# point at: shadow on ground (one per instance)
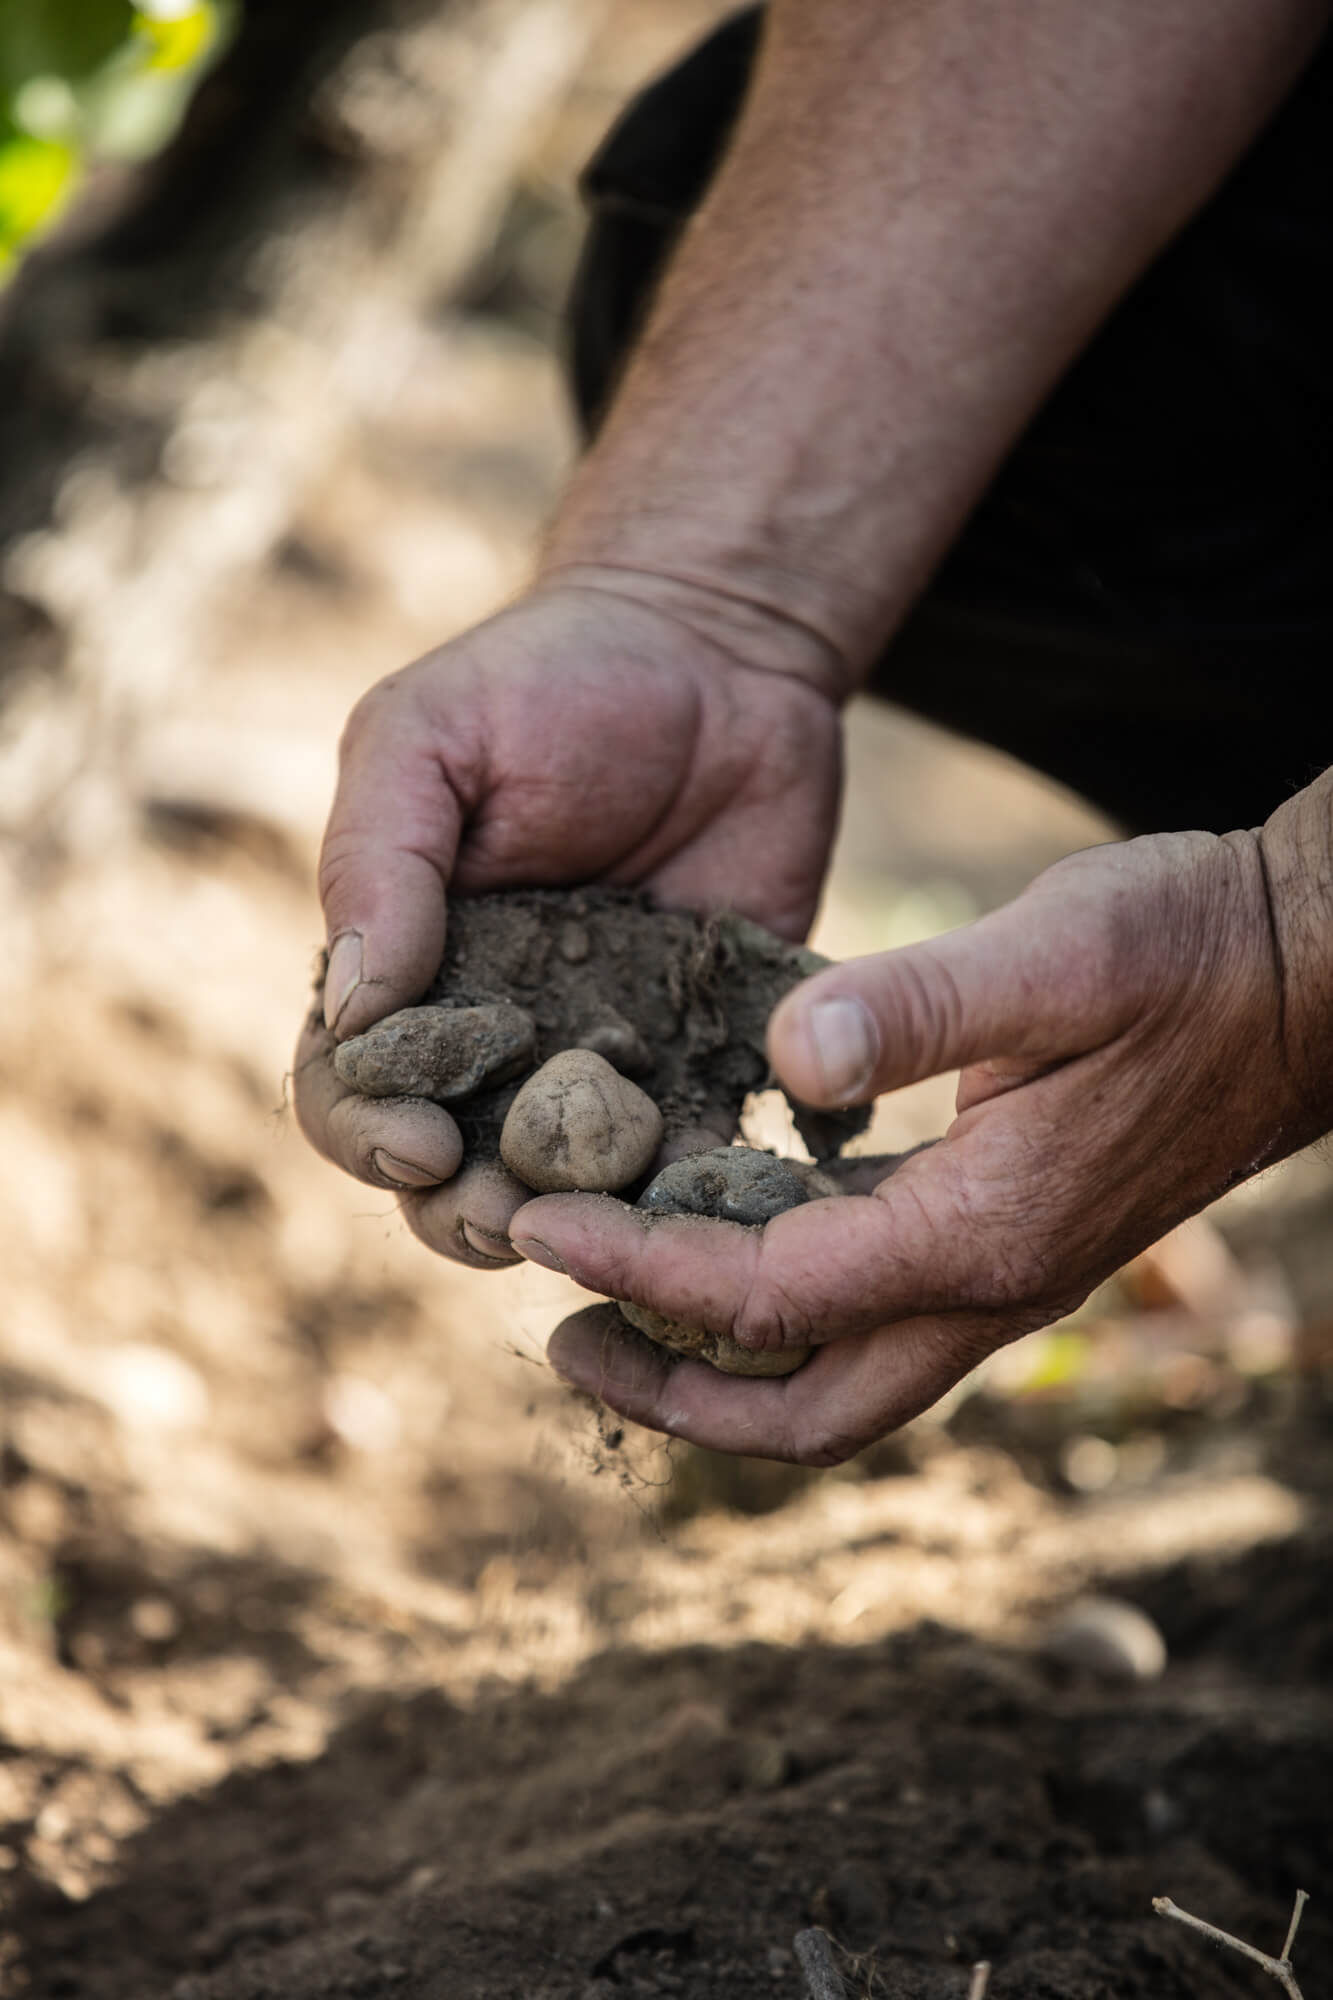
(665, 1822)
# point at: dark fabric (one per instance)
(1142, 603)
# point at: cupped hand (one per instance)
(1121, 1033)
(581, 736)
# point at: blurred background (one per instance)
(281, 407)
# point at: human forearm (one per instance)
(1297, 849)
(925, 212)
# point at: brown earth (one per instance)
(729, 1759)
(676, 1001)
(341, 1650)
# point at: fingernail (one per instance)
(488, 1242)
(342, 977)
(845, 1043)
(538, 1252)
(402, 1172)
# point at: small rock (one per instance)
(443, 1053)
(733, 1183)
(573, 943)
(695, 1343)
(1107, 1637)
(578, 1125)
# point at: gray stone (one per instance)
(443, 1053)
(733, 1183)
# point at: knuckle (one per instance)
(920, 1009)
(340, 856)
(348, 1144)
(624, 1273)
(376, 708)
(1107, 954)
(770, 1316)
(622, 1280)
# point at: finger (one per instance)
(596, 1350)
(388, 1142)
(388, 850)
(1021, 984)
(833, 1267)
(844, 1398)
(468, 1220)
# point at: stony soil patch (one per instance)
(675, 1003)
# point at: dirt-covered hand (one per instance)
(583, 735)
(1133, 1037)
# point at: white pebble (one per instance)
(1106, 1637)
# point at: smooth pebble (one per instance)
(578, 1125)
(1107, 1637)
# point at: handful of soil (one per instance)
(571, 1033)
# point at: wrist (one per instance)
(726, 611)
(1296, 849)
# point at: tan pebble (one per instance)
(578, 1125)
(573, 943)
(1108, 1637)
(443, 1053)
(718, 1349)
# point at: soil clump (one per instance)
(676, 1002)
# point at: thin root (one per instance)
(1276, 1968)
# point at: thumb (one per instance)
(1023, 985)
(388, 850)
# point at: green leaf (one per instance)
(177, 43)
(37, 176)
(1059, 1358)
